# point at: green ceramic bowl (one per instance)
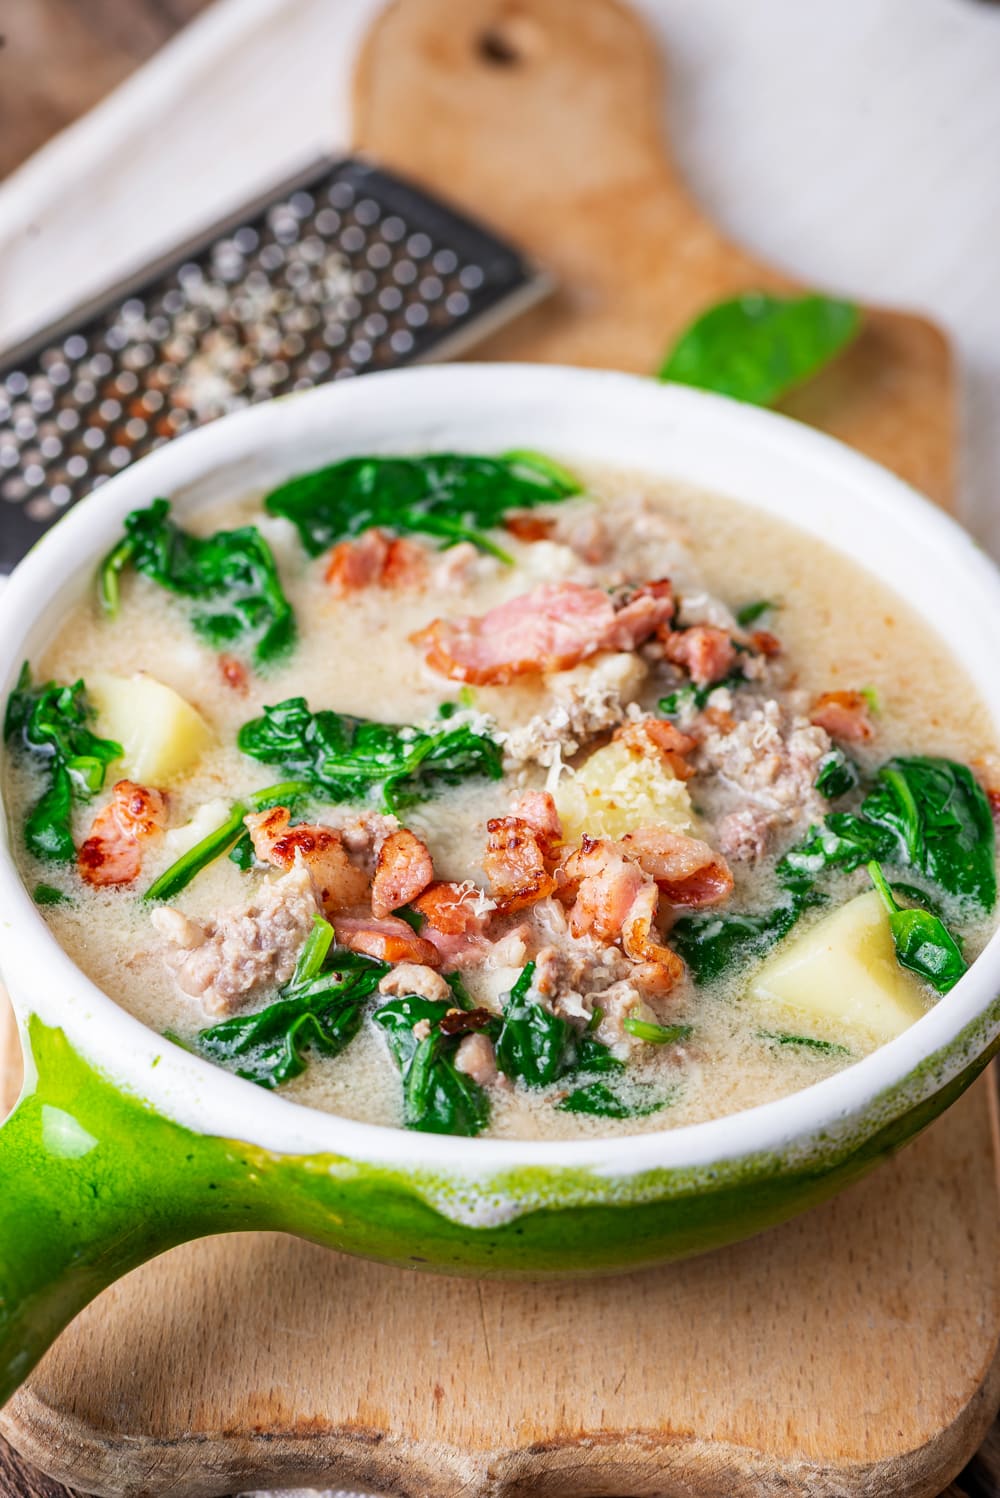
(123, 1145)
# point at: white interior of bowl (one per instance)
(776, 464)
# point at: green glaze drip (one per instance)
(95, 1182)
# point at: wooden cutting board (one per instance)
(853, 1351)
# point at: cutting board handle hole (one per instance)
(511, 40)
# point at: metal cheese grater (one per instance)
(341, 270)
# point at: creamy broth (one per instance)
(839, 629)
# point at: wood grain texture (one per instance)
(853, 1351)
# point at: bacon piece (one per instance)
(687, 871)
(476, 1057)
(376, 559)
(993, 797)
(551, 629)
(538, 809)
(528, 527)
(389, 940)
(451, 908)
(112, 854)
(639, 940)
(403, 870)
(606, 885)
(338, 882)
(765, 643)
(844, 715)
(706, 653)
(515, 862)
(233, 672)
(660, 737)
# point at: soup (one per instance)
(485, 796)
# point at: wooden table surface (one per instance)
(57, 58)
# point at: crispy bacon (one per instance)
(390, 939)
(516, 863)
(606, 884)
(706, 653)
(765, 643)
(112, 854)
(538, 809)
(529, 527)
(451, 908)
(402, 871)
(376, 559)
(844, 715)
(338, 882)
(551, 629)
(663, 738)
(993, 797)
(687, 871)
(640, 941)
(233, 672)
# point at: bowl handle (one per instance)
(92, 1183)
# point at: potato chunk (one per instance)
(840, 981)
(162, 735)
(616, 791)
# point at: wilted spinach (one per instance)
(223, 838)
(925, 814)
(922, 941)
(232, 577)
(637, 1100)
(319, 1009)
(437, 1097)
(757, 347)
(751, 612)
(355, 759)
(48, 723)
(654, 1034)
(537, 1047)
(836, 775)
(453, 496)
(807, 1042)
(692, 698)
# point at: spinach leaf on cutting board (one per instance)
(757, 347)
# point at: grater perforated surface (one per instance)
(341, 270)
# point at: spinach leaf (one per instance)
(454, 496)
(809, 1042)
(537, 1047)
(222, 838)
(940, 815)
(232, 576)
(601, 1101)
(751, 612)
(319, 1009)
(925, 814)
(691, 698)
(758, 347)
(712, 944)
(653, 1034)
(47, 894)
(49, 724)
(922, 941)
(355, 759)
(437, 1097)
(837, 774)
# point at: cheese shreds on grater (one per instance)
(341, 270)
